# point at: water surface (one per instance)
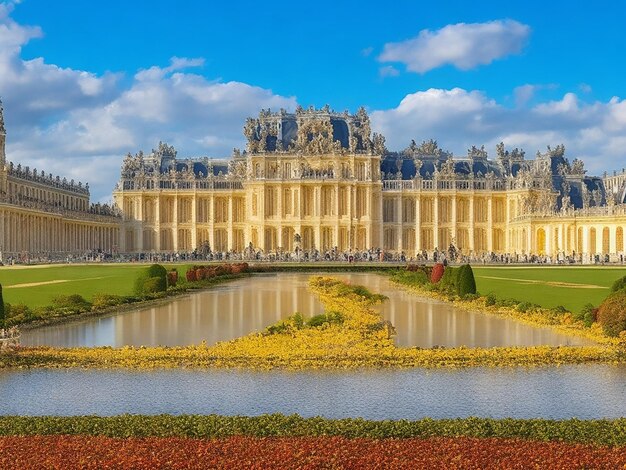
(581, 391)
(251, 304)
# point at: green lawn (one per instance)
(585, 284)
(540, 285)
(78, 279)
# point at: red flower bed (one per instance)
(191, 275)
(437, 273)
(68, 452)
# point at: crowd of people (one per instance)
(373, 255)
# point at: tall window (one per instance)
(343, 201)
(389, 210)
(408, 210)
(327, 201)
(270, 201)
(239, 210)
(221, 210)
(287, 202)
(426, 210)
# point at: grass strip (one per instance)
(598, 432)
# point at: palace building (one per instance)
(320, 180)
(46, 216)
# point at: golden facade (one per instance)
(43, 216)
(320, 180)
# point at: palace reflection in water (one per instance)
(252, 304)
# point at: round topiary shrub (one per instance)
(437, 274)
(466, 283)
(612, 313)
(619, 285)
(449, 281)
(154, 285)
(155, 270)
(190, 275)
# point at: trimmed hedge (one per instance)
(145, 283)
(612, 313)
(619, 285)
(466, 283)
(598, 432)
(154, 285)
(449, 281)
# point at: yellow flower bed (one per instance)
(362, 339)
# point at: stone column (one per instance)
(229, 230)
(211, 218)
(337, 193)
(398, 222)
(613, 239)
(471, 224)
(157, 225)
(194, 221)
(175, 225)
(453, 217)
(490, 224)
(436, 221)
(418, 224)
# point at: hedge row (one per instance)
(599, 432)
(612, 312)
(152, 284)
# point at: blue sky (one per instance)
(83, 83)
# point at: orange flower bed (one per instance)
(68, 452)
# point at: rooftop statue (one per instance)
(476, 153)
(311, 132)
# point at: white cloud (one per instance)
(458, 119)
(569, 104)
(388, 71)
(80, 125)
(524, 93)
(463, 45)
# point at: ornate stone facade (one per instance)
(43, 215)
(317, 179)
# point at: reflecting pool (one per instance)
(582, 391)
(246, 305)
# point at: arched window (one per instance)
(579, 240)
(592, 242)
(541, 241)
(606, 240)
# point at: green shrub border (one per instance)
(597, 432)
